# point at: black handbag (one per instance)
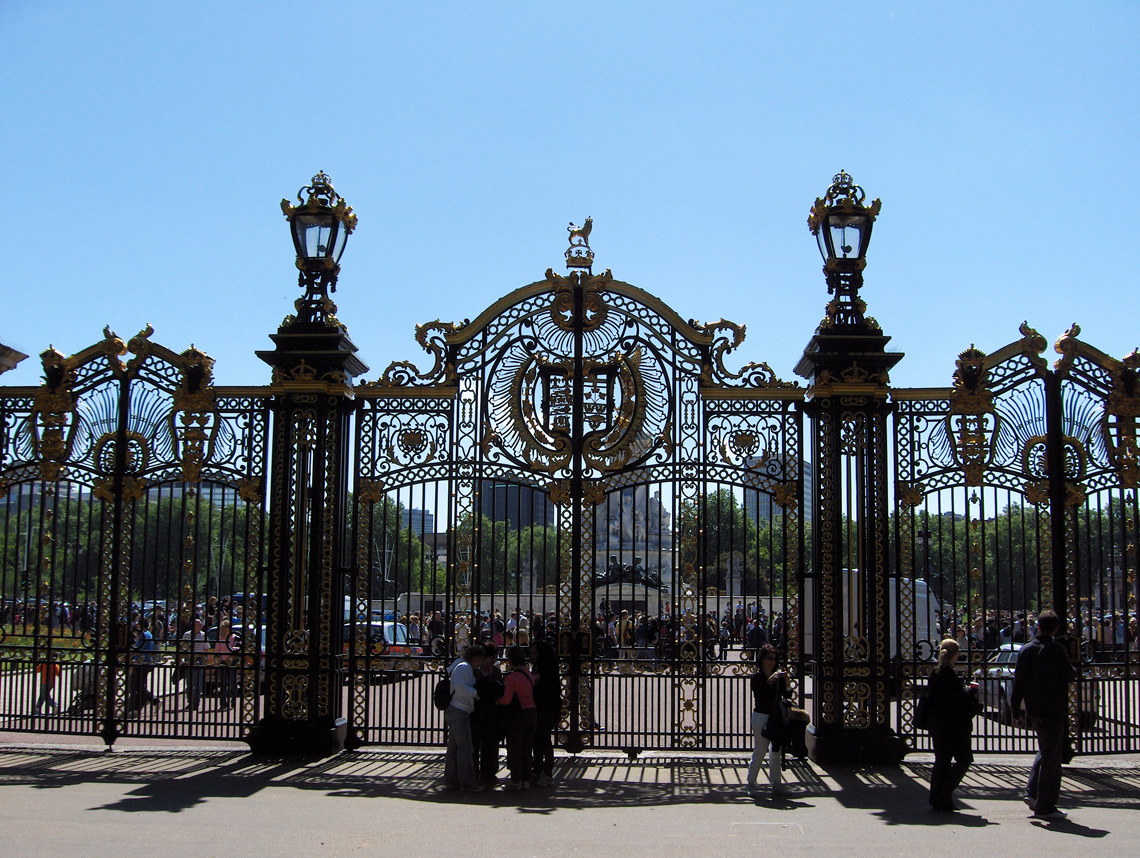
(776, 730)
(922, 710)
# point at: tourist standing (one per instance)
(548, 709)
(459, 765)
(1041, 680)
(952, 711)
(768, 686)
(486, 726)
(142, 663)
(522, 718)
(225, 664)
(194, 647)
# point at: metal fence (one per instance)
(578, 466)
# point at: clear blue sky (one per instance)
(146, 147)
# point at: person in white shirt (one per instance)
(459, 765)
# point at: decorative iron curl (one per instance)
(433, 337)
(725, 337)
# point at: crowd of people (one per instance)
(57, 615)
(1103, 631)
(522, 706)
(487, 707)
(616, 632)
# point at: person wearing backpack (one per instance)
(459, 764)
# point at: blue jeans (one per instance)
(1044, 785)
(459, 765)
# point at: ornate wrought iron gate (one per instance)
(579, 465)
(597, 465)
(132, 493)
(1017, 492)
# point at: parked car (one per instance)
(385, 638)
(995, 687)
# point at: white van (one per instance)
(926, 612)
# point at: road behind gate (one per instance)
(146, 798)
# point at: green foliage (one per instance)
(504, 559)
(175, 542)
(1006, 549)
(400, 562)
(733, 547)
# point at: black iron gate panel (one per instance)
(577, 466)
(1100, 402)
(980, 469)
(973, 528)
(133, 504)
(403, 581)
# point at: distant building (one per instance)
(518, 505)
(211, 493)
(9, 357)
(435, 544)
(760, 506)
(421, 521)
(27, 495)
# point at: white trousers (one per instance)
(762, 745)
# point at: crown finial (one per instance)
(579, 255)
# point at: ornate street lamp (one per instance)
(320, 227)
(314, 363)
(849, 405)
(841, 224)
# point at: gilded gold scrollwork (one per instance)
(593, 492)
(910, 494)
(973, 423)
(252, 490)
(1121, 414)
(371, 491)
(786, 496)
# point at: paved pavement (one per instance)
(205, 801)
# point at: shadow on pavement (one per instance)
(171, 781)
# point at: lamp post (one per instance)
(841, 224)
(313, 363)
(320, 226)
(922, 537)
(848, 402)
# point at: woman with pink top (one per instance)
(521, 720)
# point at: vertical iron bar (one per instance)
(1058, 502)
(577, 644)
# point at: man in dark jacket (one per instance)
(487, 729)
(1041, 679)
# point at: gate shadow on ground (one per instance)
(174, 781)
(168, 781)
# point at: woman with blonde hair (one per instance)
(952, 711)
